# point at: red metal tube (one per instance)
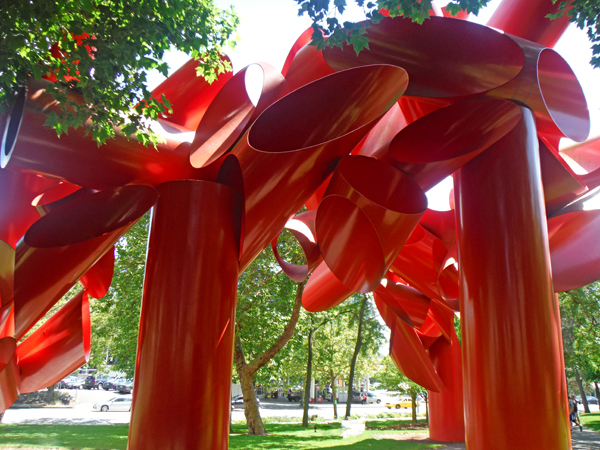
(187, 320)
(283, 165)
(509, 333)
(446, 411)
(98, 277)
(323, 290)
(368, 212)
(7, 273)
(57, 348)
(528, 19)
(9, 372)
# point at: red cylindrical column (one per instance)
(187, 319)
(511, 351)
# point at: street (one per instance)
(81, 412)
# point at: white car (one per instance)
(122, 403)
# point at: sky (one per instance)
(269, 28)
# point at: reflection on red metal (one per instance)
(55, 270)
(340, 110)
(16, 211)
(528, 19)
(575, 249)
(507, 285)
(57, 348)
(90, 216)
(446, 413)
(187, 322)
(323, 290)
(302, 228)
(307, 66)
(368, 212)
(304, 39)
(98, 278)
(231, 111)
(412, 301)
(76, 158)
(7, 273)
(189, 94)
(464, 130)
(9, 372)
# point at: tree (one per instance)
(329, 32)
(361, 314)
(265, 321)
(580, 317)
(392, 379)
(104, 49)
(115, 318)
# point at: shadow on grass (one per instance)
(97, 437)
(396, 423)
(591, 421)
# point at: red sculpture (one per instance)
(357, 139)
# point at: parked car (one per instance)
(67, 383)
(592, 400)
(295, 396)
(90, 382)
(122, 403)
(238, 400)
(77, 384)
(102, 380)
(372, 398)
(403, 402)
(125, 386)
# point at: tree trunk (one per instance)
(1, 417)
(253, 419)
(334, 396)
(50, 395)
(355, 356)
(582, 393)
(246, 371)
(597, 391)
(413, 397)
(426, 398)
(308, 378)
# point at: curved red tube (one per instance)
(9, 372)
(574, 249)
(307, 66)
(98, 277)
(362, 224)
(302, 40)
(323, 290)
(7, 273)
(340, 110)
(91, 215)
(187, 321)
(231, 112)
(529, 20)
(57, 348)
(189, 94)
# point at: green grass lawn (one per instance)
(281, 436)
(591, 421)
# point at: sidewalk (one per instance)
(585, 440)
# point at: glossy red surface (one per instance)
(90, 216)
(340, 110)
(55, 271)
(408, 354)
(528, 20)
(16, 211)
(189, 94)
(323, 290)
(304, 39)
(307, 66)
(472, 58)
(574, 249)
(418, 262)
(9, 373)
(302, 228)
(509, 334)
(390, 124)
(54, 194)
(57, 348)
(548, 86)
(76, 158)
(368, 212)
(187, 321)
(98, 277)
(446, 412)
(441, 224)
(232, 111)
(412, 301)
(7, 273)
(463, 130)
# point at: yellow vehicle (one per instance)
(403, 402)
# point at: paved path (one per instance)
(585, 440)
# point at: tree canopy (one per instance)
(104, 49)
